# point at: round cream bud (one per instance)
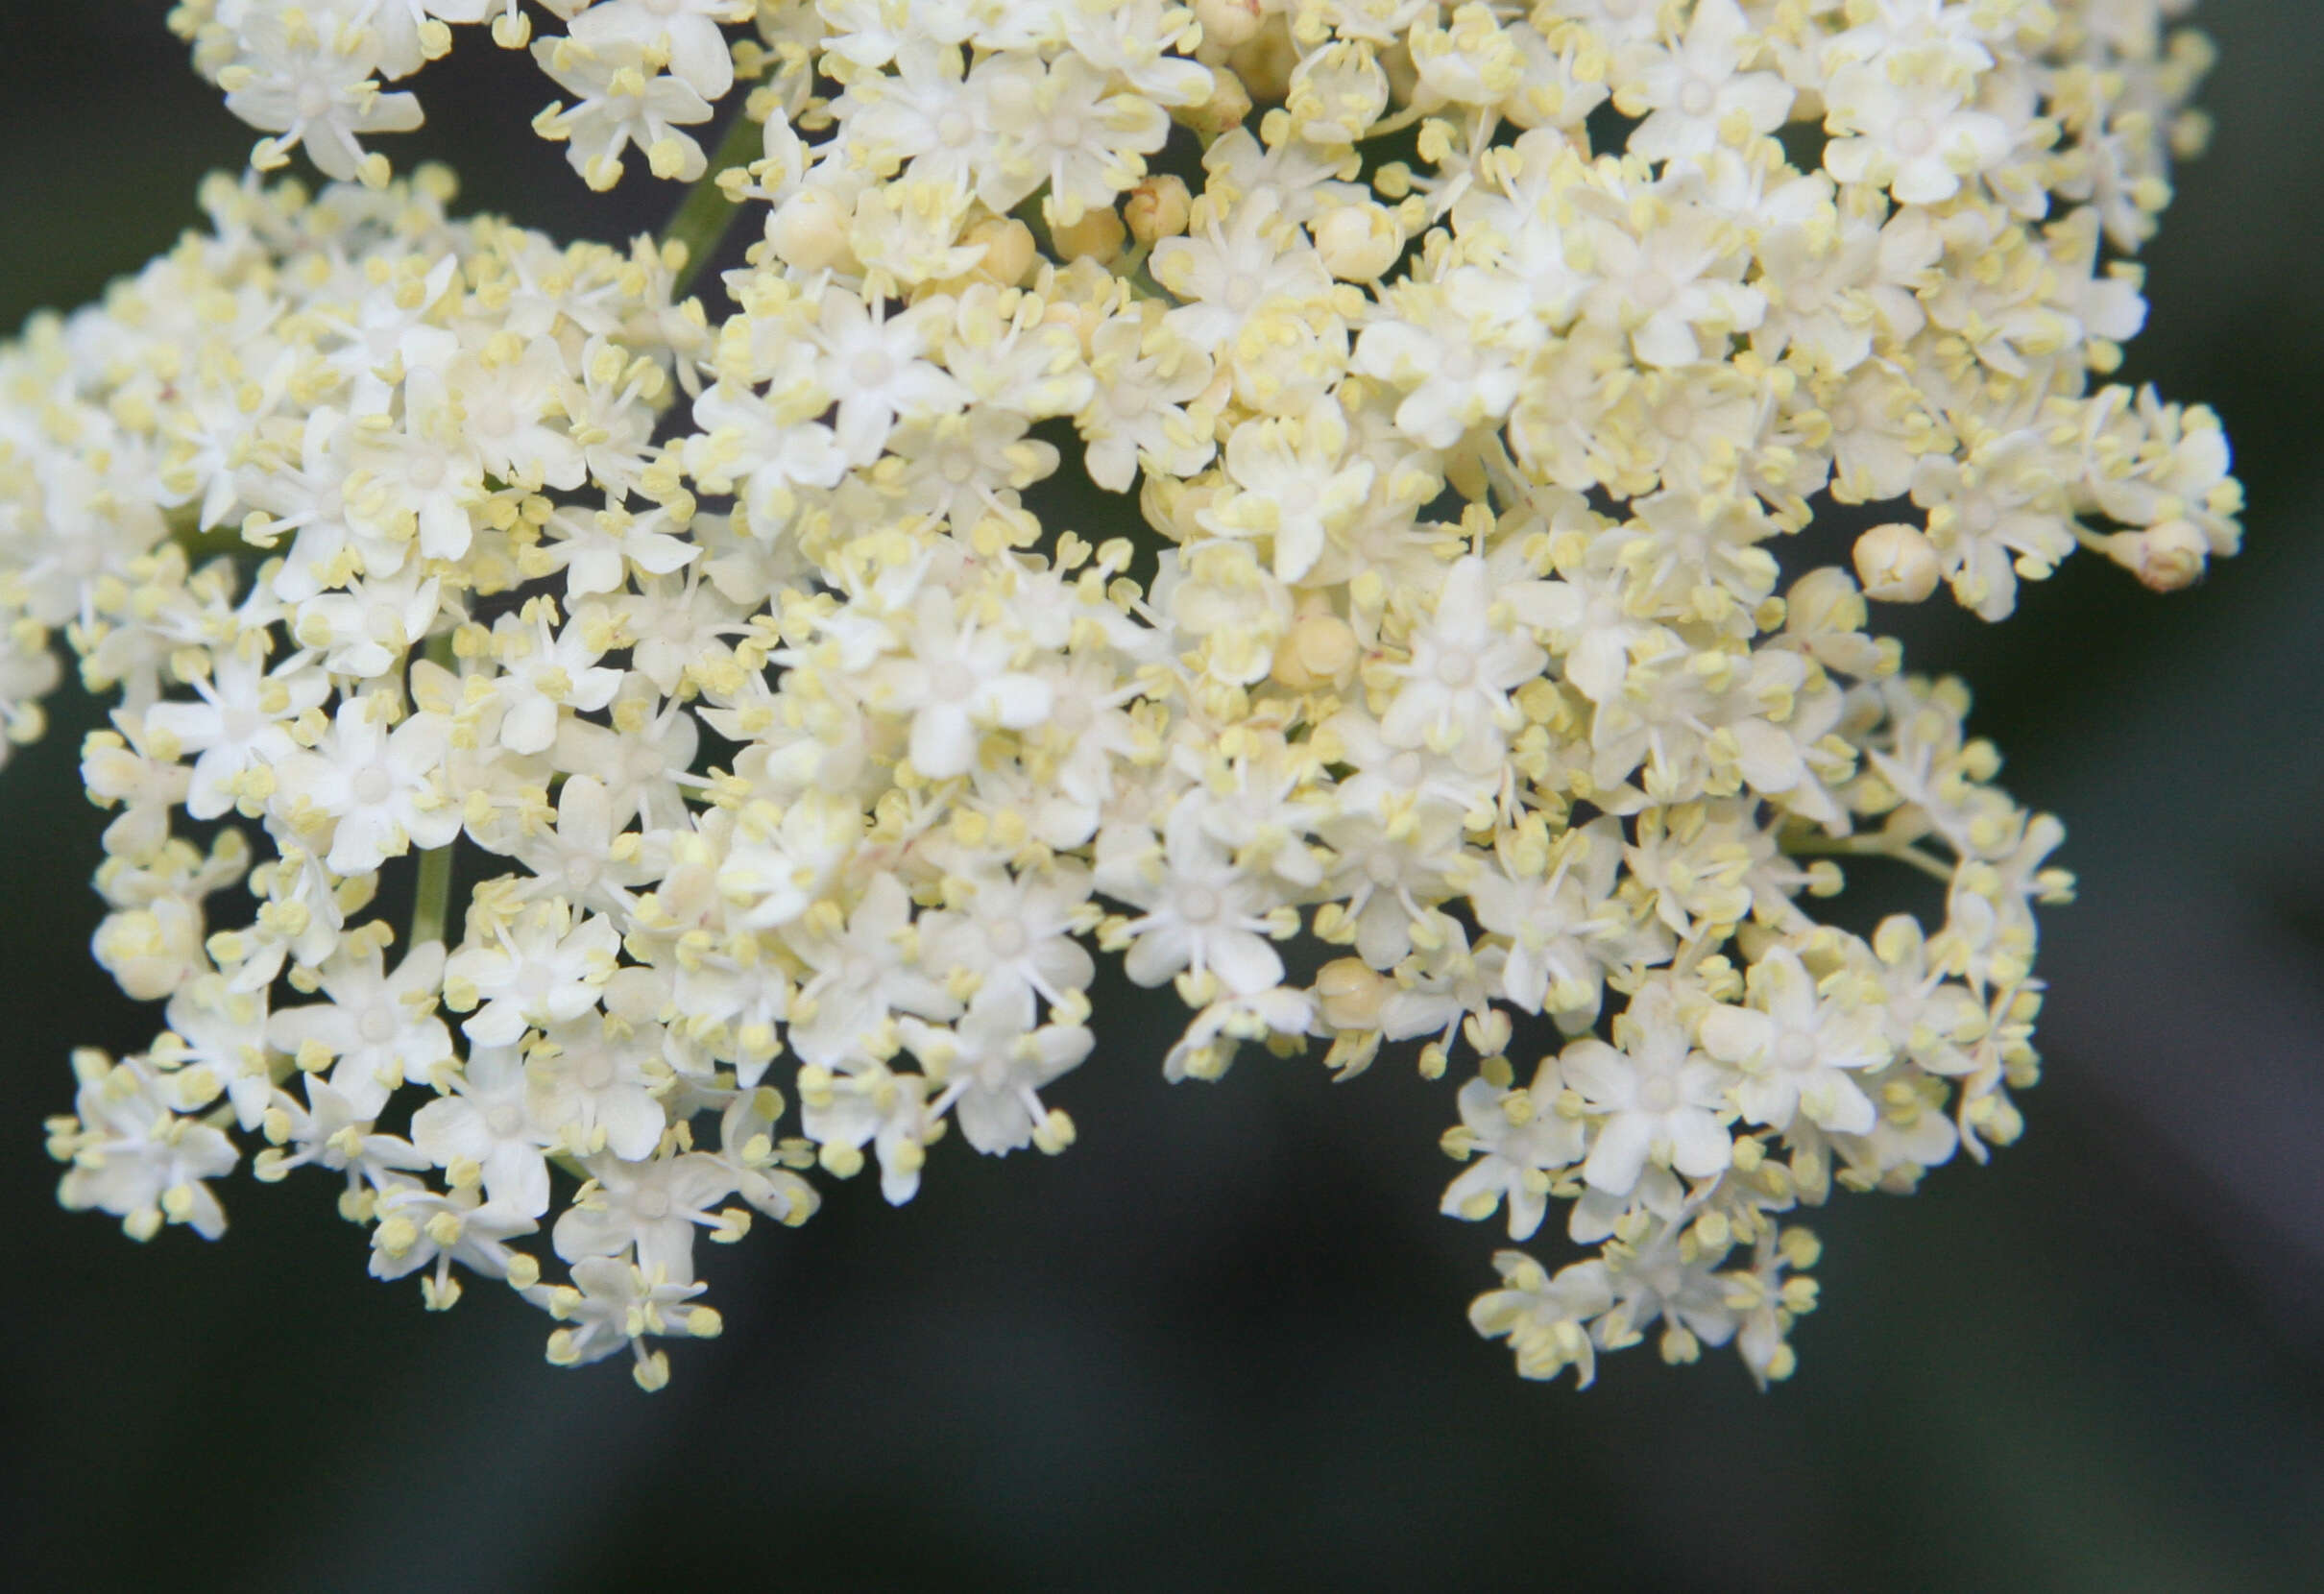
(1098, 235)
(1266, 61)
(2167, 556)
(1318, 650)
(1008, 250)
(1823, 601)
(1157, 209)
(1896, 564)
(1358, 243)
(1350, 994)
(1228, 104)
(810, 230)
(1228, 24)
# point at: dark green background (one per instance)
(1221, 1346)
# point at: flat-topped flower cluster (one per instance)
(1449, 677)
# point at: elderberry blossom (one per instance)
(714, 675)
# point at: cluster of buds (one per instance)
(1439, 678)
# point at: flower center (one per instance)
(1007, 938)
(1072, 715)
(1796, 1049)
(376, 1026)
(1913, 136)
(1657, 1095)
(595, 1072)
(491, 417)
(1456, 667)
(505, 1120)
(373, 786)
(651, 1203)
(1697, 98)
(1197, 905)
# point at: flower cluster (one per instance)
(1457, 680)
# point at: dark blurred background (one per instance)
(1220, 1344)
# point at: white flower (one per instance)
(135, 1157)
(648, 1210)
(314, 87)
(589, 1084)
(1229, 271)
(954, 682)
(540, 971)
(1065, 128)
(1797, 1048)
(486, 1119)
(419, 1228)
(623, 99)
(1660, 1096)
(1454, 347)
(1454, 698)
(685, 31)
(376, 1030)
(379, 789)
(240, 720)
(1903, 122)
(860, 977)
(875, 369)
(1542, 1317)
(614, 1303)
(991, 1066)
(1689, 92)
(546, 672)
(1201, 913)
(1014, 935)
(1295, 485)
(1524, 1138)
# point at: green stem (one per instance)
(1863, 846)
(706, 212)
(432, 896)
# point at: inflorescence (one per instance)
(1456, 683)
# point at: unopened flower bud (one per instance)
(1228, 24)
(1097, 234)
(1318, 650)
(1228, 104)
(1358, 243)
(2165, 557)
(1157, 209)
(810, 230)
(1349, 993)
(1896, 564)
(1266, 61)
(1008, 249)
